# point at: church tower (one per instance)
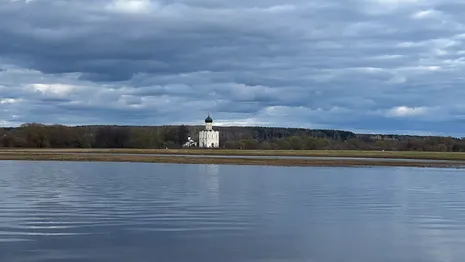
(209, 138)
(208, 123)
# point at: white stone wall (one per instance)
(209, 139)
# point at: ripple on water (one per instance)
(30, 233)
(4, 239)
(167, 216)
(438, 223)
(190, 228)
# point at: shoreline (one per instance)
(419, 155)
(108, 157)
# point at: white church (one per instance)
(208, 137)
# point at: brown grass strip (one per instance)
(223, 161)
(232, 152)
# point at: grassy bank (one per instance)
(232, 152)
(143, 158)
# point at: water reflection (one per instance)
(74, 211)
(211, 173)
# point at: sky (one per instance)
(367, 66)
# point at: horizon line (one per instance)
(238, 126)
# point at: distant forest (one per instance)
(34, 135)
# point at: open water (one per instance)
(76, 211)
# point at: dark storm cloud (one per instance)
(350, 64)
(106, 46)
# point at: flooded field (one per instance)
(79, 211)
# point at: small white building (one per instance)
(190, 143)
(208, 137)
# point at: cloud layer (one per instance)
(362, 65)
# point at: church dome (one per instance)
(208, 119)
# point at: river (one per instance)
(118, 212)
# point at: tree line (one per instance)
(36, 135)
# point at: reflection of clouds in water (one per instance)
(427, 212)
(37, 181)
(393, 213)
(38, 190)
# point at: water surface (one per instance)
(77, 211)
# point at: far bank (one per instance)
(239, 152)
(157, 156)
